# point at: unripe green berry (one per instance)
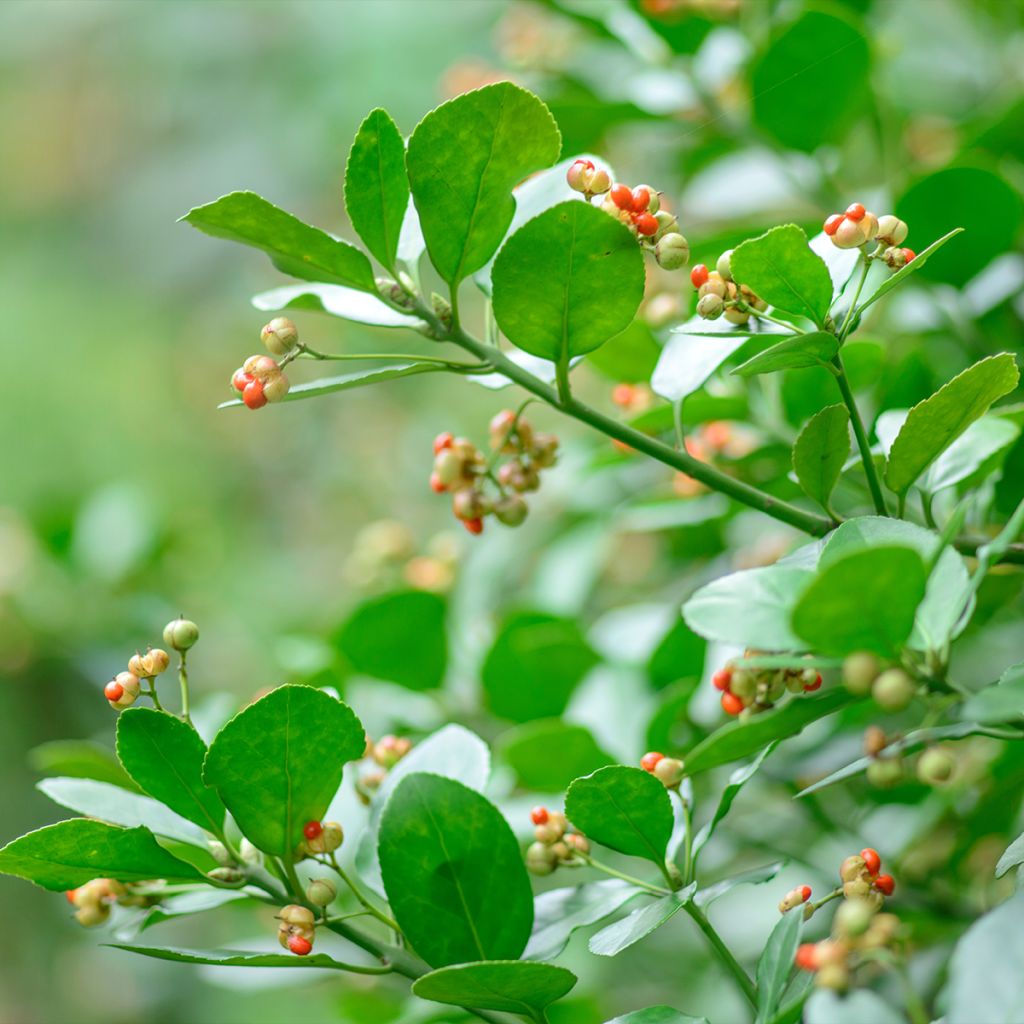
(321, 892)
(511, 510)
(884, 772)
(854, 917)
(672, 251)
(181, 634)
(667, 223)
(893, 690)
(710, 306)
(541, 859)
(935, 766)
(280, 336)
(723, 267)
(743, 683)
(859, 671)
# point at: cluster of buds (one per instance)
(295, 930)
(260, 378)
(385, 753)
(858, 226)
(667, 770)
(748, 691)
(123, 690)
(718, 293)
(92, 901)
(584, 177)
(554, 843)
(857, 927)
(891, 689)
(319, 837)
(461, 468)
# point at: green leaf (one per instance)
(986, 968)
(165, 757)
(376, 186)
(865, 601)
(811, 81)
(1012, 856)
(548, 650)
(916, 264)
(736, 739)
(295, 248)
(335, 300)
(240, 958)
(639, 924)
(692, 355)
(80, 759)
(975, 451)
(567, 281)
(755, 876)
(629, 357)
(750, 608)
(348, 381)
(781, 268)
(828, 1007)
(557, 913)
(400, 637)
(821, 451)
(277, 764)
(657, 1015)
(509, 986)
(934, 424)
(453, 873)
(625, 809)
(527, 750)
(776, 964)
(1001, 702)
(464, 159)
(794, 353)
(73, 852)
(118, 806)
(184, 904)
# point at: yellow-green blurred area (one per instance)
(127, 497)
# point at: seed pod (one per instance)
(511, 510)
(447, 467)
(737, 316)
(126, 686)
(263, 368)
(834, 976)
(181, 634)
(540, 859)
(600, 182)
(710, 306)
(893, 690)
(544, 451)
(280, 336)
(891, 230)
(321, 892)
(672, 251)
(276, 388)
(850, 234)
(135, 665)
(852, 868)
(669, 771)
(579, 174)
(296, 915)
(714, 285)
(331, 836)
(155, 662)
(895, 258)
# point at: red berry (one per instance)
(240, 379)
(816, 685)
(312, 829)
(855, 211)
(474, 525)
(253, 395)
(805, 892)
(70, 895)
(731, 704)
(539, 815)
(641, 200)
(647, 224)
(622, 197)
(623, 394)
(650, 760)
(832, 224)
(807, 957)
(871, 860)
(722, 678)
(113, 690)
(699, 275)
(909, 254)
(443, 441)
(299, 946)
(437, 484)
(885, 884)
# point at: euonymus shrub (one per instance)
(436, 887)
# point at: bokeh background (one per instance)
(125, 496)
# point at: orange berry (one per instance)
(622, 197)
(699, 275)
(908, 255)
(650, 760)
(807, 957)
(442, 441)
(871, 860)
(855, 211)
(722, 678)
(623, 394)
(113, 690)
(731, 704)
(647, 224)
(885, 884)
(539, 816)
(474, 525)
(816, 685)
(831, 225)
(805, 892)
(299, 945)
(641, 200)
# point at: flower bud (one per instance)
(280, 336)
(710, 306)
(891, 230)
(859, 671)
(154, 662)
(541, 859)
(511, 510)
(935, 766)
(321, 892)
(389, 750)
(672, 251)
(669, 771)
(442, 310)
(276, 388)
(893, 690)
(181, 634)
(722, 266)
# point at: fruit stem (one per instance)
(847, 320)
(183, 680)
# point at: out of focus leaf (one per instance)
(511, 986)
(527, 750)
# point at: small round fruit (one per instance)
(855, 211)
(647, 224)
(885, 884)
(731, 704)
(722, 678)
(113, 691)
(541, 859)
(443, 441)
(321, 892)
(474, 526)
(669, 771)
(280, 336)
(849, 235)
(884, 772)
(539, 815)
(154, 663)
(832, 224)
(852, 868)
(710, 306)
(253, 395)
(737, 316)
(814, 684)
(859, 671)
(622, 197)
(181, 634)
(300, 945)
(891, 229)
(239, 379)
(935, 766)
(854, 917)
(723, 265)
(276, 388)
(807, 956)
(909, 255)
(872, 861)
(578, 175)
(650, 760)
(297, 916)
(672, 251)
(893, 690)
(511, 510)
(312, 829)
(699, 275)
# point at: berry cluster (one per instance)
(92, 901)
(386, 753)
(555, 843)
(891, 689)
(385, 553)
(858, 226)
(718, 293)
(260, 379)
(123, 690)
(857, 928)
(296, 929)
(318, 838)
(748, 691)
(936, 765)
(657, 230)
(667, 770)
(460, 467)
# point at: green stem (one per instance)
(403, 356)
(363, 901)
(862, 438)
(562, 382)
(833, 895)
(848, 319)
(654, 890)
(687, 842)
(183, 680)
(151, 693)
(743, 982)
(747, 308)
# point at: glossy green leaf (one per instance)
(625, 809)
(464, 158)
(792, 353)
(80, 759)
(118, 806)
(916, 264)
(865, 601)
(657, 1015)
(376, 186)
(454, 873)
(750, 608)
(755, 876)
(628, 931)
(509, 986)
(736, 740)
(1001, 702)
(242, 958)
(811, 80)
(295, 248)
(73, 852)
(567, 281)
(776, 964)
(974, 454)
(165, 757)
(277, 764)
(821, 451)
(827, 1007)
(934, 424)
(548, 650)
(335, 300)
(399, 637)
(557, 913)
(780, 268)
(527, 751)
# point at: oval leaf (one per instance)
(797, 352)
(639, 924)
(335, 300)
(510, 986)
(557, 913)
(905, 271)
(776, 964)
(243, 958)
(821, 451)
(527, 750)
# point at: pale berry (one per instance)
(855, 211)
(672, 251)
(724, 265)
(872, 861)
(832, 224)
(650, 760)
(276, 388)
(849, 235)
(891, 229)
(722, 678)
(181, 634)
(253, 395)
(731, 704)
(699, 275)
(710, 306)
(280, 336)
(669, 772)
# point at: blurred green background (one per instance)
(125, 496)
